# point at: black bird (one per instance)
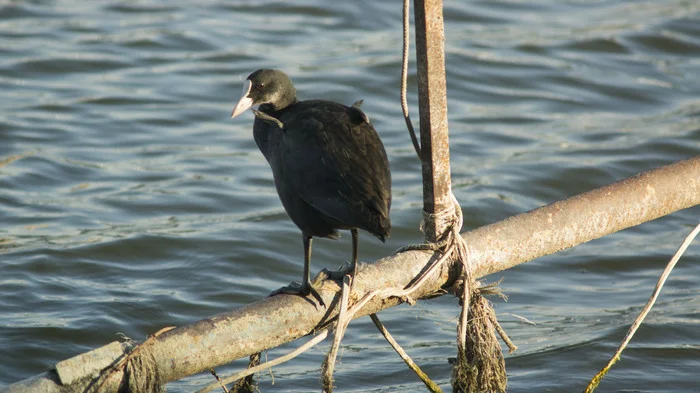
(329, 165)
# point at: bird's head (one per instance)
(272, 87)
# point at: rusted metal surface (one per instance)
(586, 216)
(432, 101)
(280, 319)
(71, 370)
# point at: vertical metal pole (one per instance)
(432, 100)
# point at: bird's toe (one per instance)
(300, 290)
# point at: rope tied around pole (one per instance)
(480, 366)
(138, 368)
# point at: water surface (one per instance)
(129, 201)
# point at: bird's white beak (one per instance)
(245, 102)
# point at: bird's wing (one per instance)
(335, 160)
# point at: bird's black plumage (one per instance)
(328, 162)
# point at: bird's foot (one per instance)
(300, 290)
(337, 275)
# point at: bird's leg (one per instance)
(346, 269)
(355, 241)
(306, 287)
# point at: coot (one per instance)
(329, 165)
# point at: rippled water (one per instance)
(129, 201)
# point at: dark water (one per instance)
(129, 201)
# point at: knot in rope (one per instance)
(450, 220)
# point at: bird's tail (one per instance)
(383, 228)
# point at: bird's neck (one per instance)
(288, 98)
